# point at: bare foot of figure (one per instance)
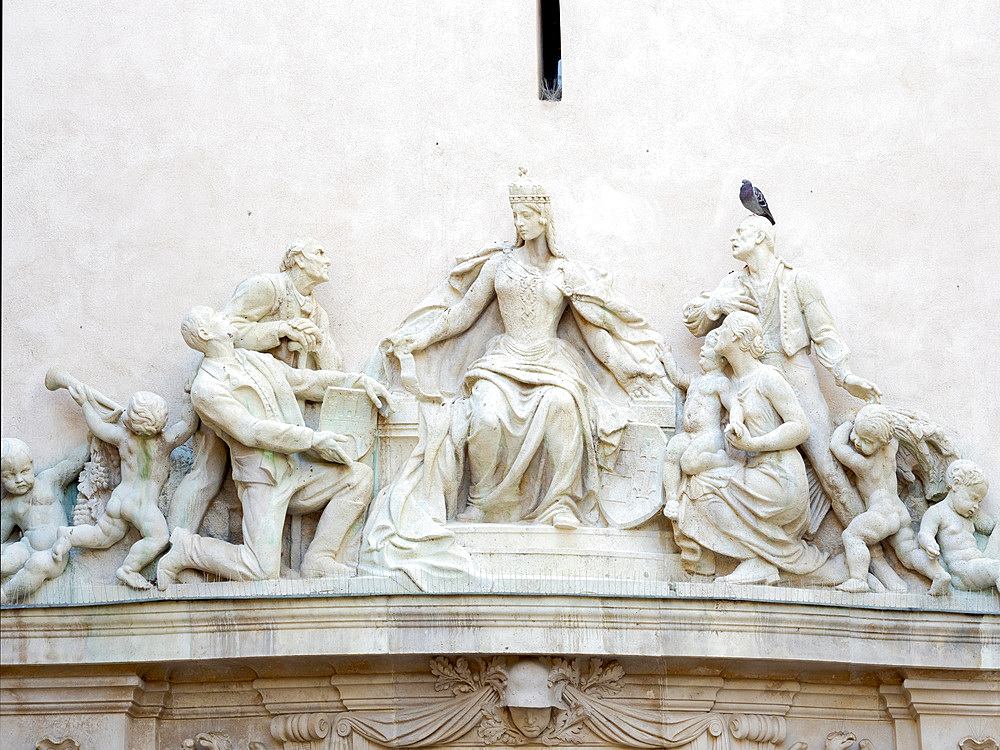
(889, 577)
(565, 520)
(854, 586)
(472, 514)
(326, 569)
(171, 563)
(133, 580)
(940, 585)
(754, 570)
(62, 544)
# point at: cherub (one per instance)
(34, 504)
(701, 446)
(947, 528)
(868, 448)
(144, 446)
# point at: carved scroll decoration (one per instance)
(300, 727)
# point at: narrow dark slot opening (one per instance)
(549, 51)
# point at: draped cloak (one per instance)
(406, 527)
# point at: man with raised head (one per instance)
(278, 313)
(279, 464)
(795, 317)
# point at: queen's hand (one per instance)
(402, 344)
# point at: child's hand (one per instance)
(736, 428)
(741, 440)
(79, 392)
(929, 545)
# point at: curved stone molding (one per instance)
(67, 743)
(607, 626)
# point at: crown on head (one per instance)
(523, 190)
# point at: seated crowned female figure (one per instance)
(535, 352)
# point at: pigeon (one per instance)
(754, 201)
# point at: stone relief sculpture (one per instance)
(530, 351)
(794, 317)
(754, 511)
(553, 702)
(279, 314)
(947, 531)
(700, 445)
(590, 686)
(528, 374)
(868, 449)
(33, 504)
(279, 465)
(526, 711)
(273, 313)
(144, 443)
(972, 743)
(476, 687)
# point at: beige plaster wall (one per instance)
(154, 154)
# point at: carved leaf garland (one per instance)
(461, 678)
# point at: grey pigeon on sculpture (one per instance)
(754, 201)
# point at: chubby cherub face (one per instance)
(18, 473)
(965, 498)
(708, 358)
(865, 441)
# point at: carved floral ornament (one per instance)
(553, 702)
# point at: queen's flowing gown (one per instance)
(526, 406)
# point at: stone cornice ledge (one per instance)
(169, 630)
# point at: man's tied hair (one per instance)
(295, 249)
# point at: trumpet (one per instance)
(58, 377)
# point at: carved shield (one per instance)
(349, 411)
(633, 492)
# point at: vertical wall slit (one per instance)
(549, 51)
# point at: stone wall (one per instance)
(153, 158)
(155, 155)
